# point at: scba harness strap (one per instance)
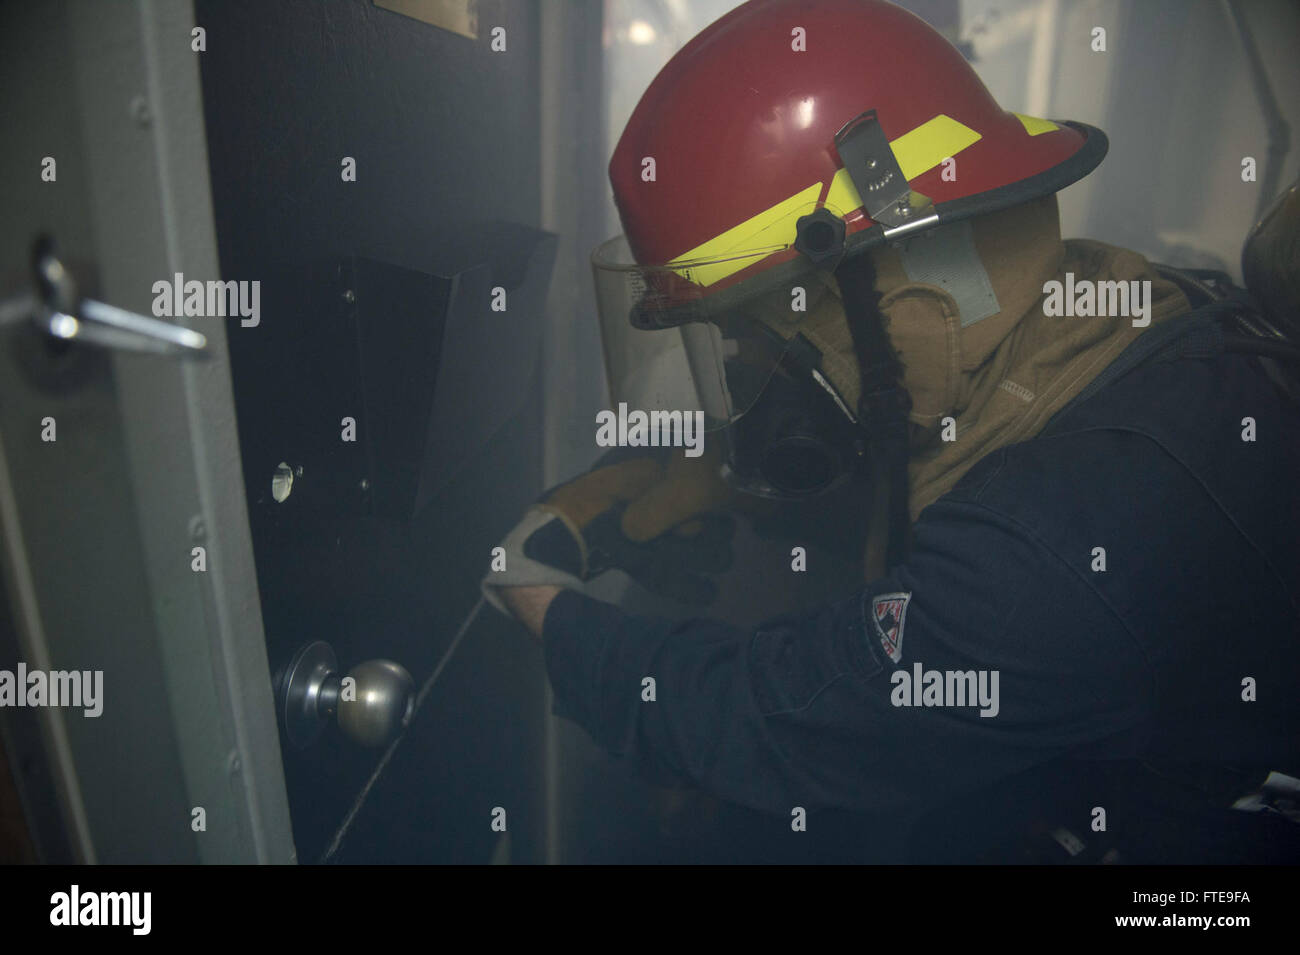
(1224, 318)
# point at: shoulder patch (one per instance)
(888, 612)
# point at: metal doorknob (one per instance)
(372, 703)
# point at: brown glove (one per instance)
(655, 514)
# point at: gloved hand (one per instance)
(652, 513)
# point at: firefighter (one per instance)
(844, 260)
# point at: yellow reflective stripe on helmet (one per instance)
(769, 231)
(930, 144)
(1035, 126)
(917, 151)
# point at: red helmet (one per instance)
(790, 134)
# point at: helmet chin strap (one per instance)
(883, 408)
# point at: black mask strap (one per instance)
(884, 403)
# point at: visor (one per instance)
(703, 333)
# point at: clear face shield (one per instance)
(719, 336)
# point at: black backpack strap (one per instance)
(1192, 334)
(1223, 319)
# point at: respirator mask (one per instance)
(743, 357)
(800, 437)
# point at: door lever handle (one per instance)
(57, 310)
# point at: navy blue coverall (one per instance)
(1147, 659)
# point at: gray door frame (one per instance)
(98, 527)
